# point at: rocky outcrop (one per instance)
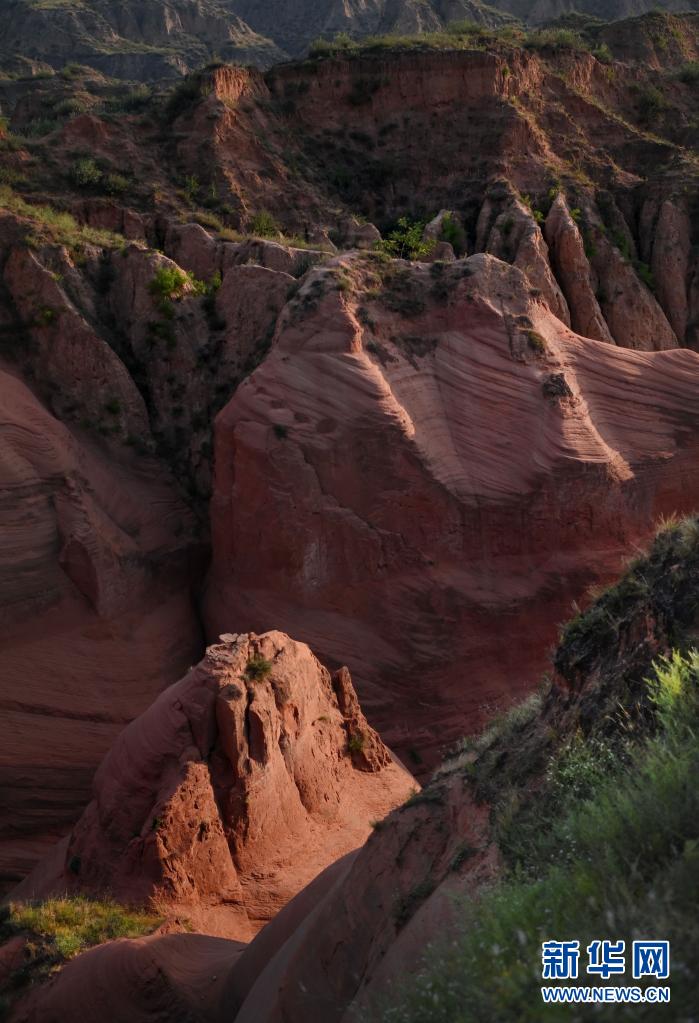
(574, 273)
(514, 235)
(238, 785)
(631, 311)
(380, 451)
(84, 377)
(666, 231)
(173, 977)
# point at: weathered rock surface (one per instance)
(431, 459)
(574, 272)
(232, 791)
(514, 236)
(369, 926)
(95, 611)
(76, 365)
(173, 977)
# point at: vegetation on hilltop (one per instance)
(575, 33)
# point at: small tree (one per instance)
(405, 241)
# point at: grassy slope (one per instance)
(600, 830)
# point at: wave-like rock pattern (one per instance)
(95, 612)
(423, 465)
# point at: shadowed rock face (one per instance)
(239, 785)
(427, 461)
(479, 132)
(96, 557)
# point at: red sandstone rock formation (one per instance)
(95, 611)
(427, 460)
(237, 786)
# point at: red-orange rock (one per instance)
(414, 472)
(95, 611)
(236, 787)
(573, 272)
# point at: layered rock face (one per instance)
(95, 611)
(432, 458)
(503, 139)
(232, 791)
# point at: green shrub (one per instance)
(45, 317)
(405, 241)
(169, 282)
(115, 184)
(555, 39)
(85, 173)
(70, 107)
(603, 54)
(645, 273)
(579, 767)
(453, 232)
(327, 47)
(689, 73)
(258, 668)
(38, 127)
(264, 225)
(137, 98)
(191, 187)
(184, 95)
(537, 342)
(73, 70)
(356, 743)
(651, 103)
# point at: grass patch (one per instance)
(257, 668)
(72, 925)
(459, 35)
(55, 226)
(356, 743)
(537, 342)
(264, 225)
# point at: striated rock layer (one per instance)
(95, 612)
(232, 791)
(429, 458)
